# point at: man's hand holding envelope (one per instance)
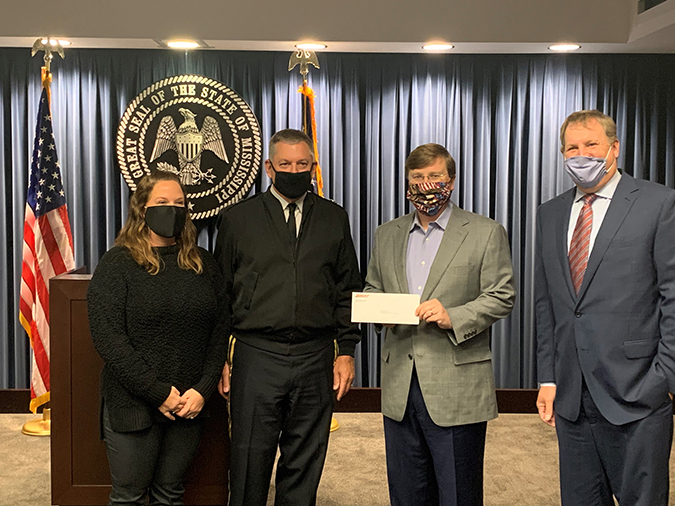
(432, 311)
(391, 309)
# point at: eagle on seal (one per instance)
(189, 142)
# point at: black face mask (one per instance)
(166, 221)
(292, 184)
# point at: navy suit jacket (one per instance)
(619, 332)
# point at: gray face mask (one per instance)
(587, 171)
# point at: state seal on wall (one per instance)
(196, 128)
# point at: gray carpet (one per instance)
(24, 464)
(520, 464)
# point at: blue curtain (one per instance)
(498, 115)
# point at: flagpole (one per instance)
(40, 426)
(304, 58)
(305, 100)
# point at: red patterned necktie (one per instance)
(581, 240)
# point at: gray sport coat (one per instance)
(472, 277)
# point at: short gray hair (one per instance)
(290, 136)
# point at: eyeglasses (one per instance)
(434, 177)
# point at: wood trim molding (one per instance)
(15, 400)
(358, 400)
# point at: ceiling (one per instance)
(397, 26)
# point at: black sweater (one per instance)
(154, 332)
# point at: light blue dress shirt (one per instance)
(422, 248)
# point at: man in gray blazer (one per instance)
(437, 382)
(605, 303)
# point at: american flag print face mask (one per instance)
(429, 197)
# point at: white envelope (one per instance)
(394, 308)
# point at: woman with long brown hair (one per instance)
(158, 318)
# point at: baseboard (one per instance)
(15, 401)
(359, 400)
(367, 400)
(517, 400)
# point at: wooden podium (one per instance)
(79, 466)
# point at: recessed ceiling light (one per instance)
(437, 46)
(311, 46)
(182, 44)
(564, 47)
(55, 42)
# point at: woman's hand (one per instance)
(193, 404)
(173, 404)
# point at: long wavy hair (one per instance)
(135, 234)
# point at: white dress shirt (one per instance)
(284, 205)
(600, 206)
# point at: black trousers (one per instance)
(150, 462)
(599, 459)
(430, 465)
(282, 401)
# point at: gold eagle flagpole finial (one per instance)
(49, 46)
(304, 58)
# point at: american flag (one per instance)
(47, 247)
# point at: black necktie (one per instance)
(291, 222)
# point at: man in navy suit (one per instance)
(605, 304)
